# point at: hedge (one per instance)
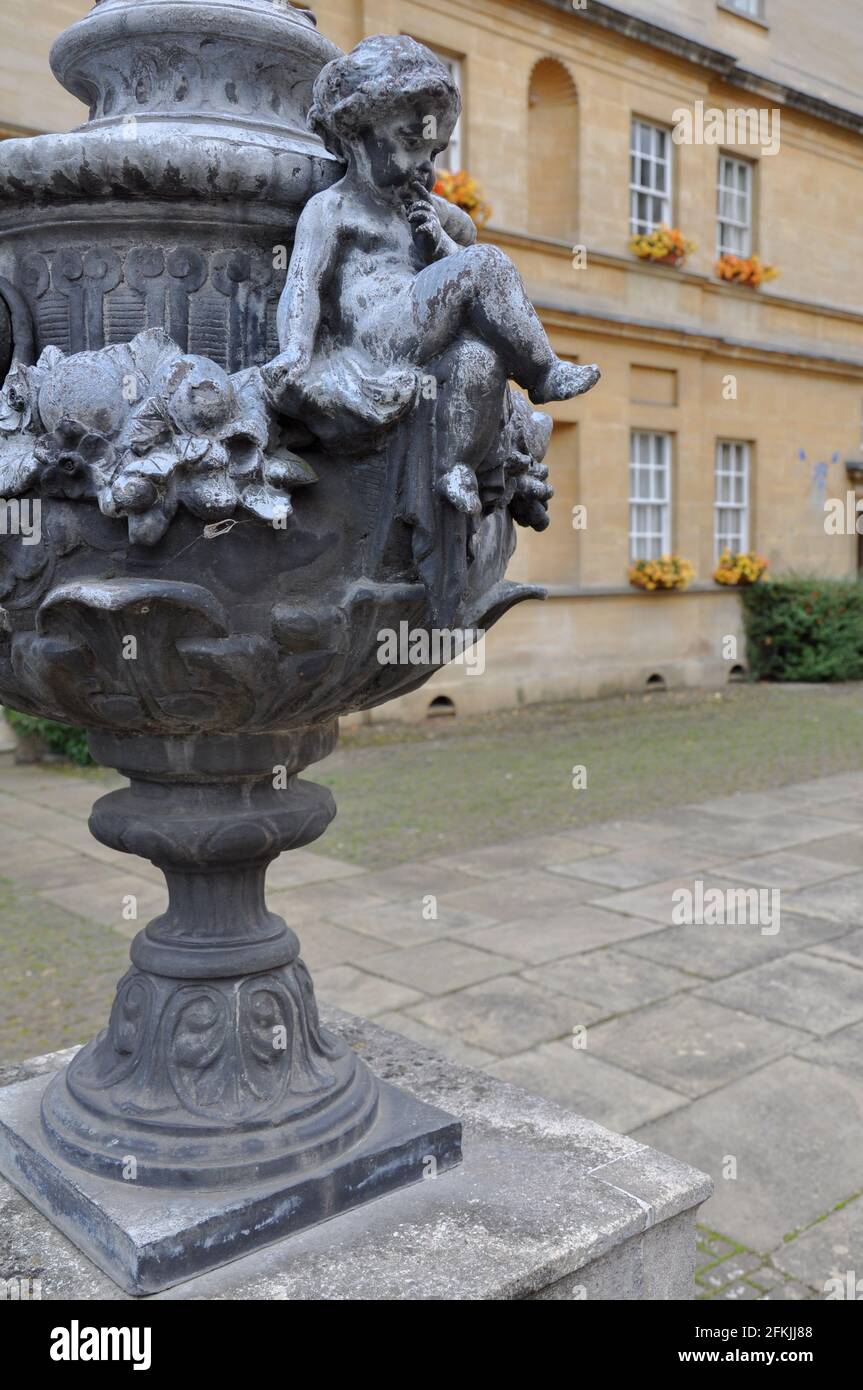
(804, 629)
(66, 740)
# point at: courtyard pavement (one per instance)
(554, 963)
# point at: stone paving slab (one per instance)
(793, 1130)
(840, 900)
(843, 1051)
(505, 1015)
(691, 1044)
(720, 951)
(588, 1085)
(830, 1250)
(611, 979)
(801, 990)
(535, 941)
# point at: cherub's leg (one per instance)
(471, 382)
(481, 290)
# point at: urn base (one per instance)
(145, 1244)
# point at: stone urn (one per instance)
(202, 586)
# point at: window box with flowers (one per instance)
(668, 572)
(743, 568)
(663, 246)
(744, 270)
(465, 192)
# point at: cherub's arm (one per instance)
(455, 221)
(299, 313)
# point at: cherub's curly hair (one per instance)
(376, 78)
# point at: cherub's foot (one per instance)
(459, 487)
(563, 380)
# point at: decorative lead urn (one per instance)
(202, 582)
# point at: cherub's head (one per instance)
(389, 108)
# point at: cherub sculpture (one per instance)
(388, 300)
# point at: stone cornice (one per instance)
(724, 64)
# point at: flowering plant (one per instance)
(665, 245)
(465, 192)
(743, 568)
(669, 572)
(744, 270)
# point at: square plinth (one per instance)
(147, 1239)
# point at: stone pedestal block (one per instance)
(546, 1205)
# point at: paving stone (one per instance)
(611, 979)
(415, 880)
(345, 987)
(793, 1129)
(549, 938)
(842, 1050)
(761, 836)
(729, 1271)
(102, 899)
(530, 895)
(629, 834)
(655, 902)
(300, 867)
(505, 861)
(322, 944)
(801, 990)
(321, 900)
(717, 951)
(505, 1015)
(785, 869)
(847, 948)
(846, 848)
(58, 871)
(444, 1043)
(404, 923)
(747, 806)
(633, 867)
(716, 1246)
(738, 1293)
(691, 1044)
(830, 1250)
(441, 966)
(847, 809)
(789, 1292)
(578, 1081)
(840, 900)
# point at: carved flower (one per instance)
(75, 461)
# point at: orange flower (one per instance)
(464, 191)
(744, 270)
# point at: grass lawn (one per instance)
(409, 791)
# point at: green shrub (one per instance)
(804, 629)
(65, 739)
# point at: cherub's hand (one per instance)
(425, 224)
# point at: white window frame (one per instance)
(452, 159)
(732, 471)
(734, 184)
(649, 495)
(650, 176)
(753, 9)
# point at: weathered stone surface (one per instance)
(544, 1203)
(691, 1044)
(801, 990)
(787, 1174)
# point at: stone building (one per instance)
(727, 414)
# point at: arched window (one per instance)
(552, 151)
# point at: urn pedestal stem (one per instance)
(214, 1068)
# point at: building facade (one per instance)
(727, 415)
